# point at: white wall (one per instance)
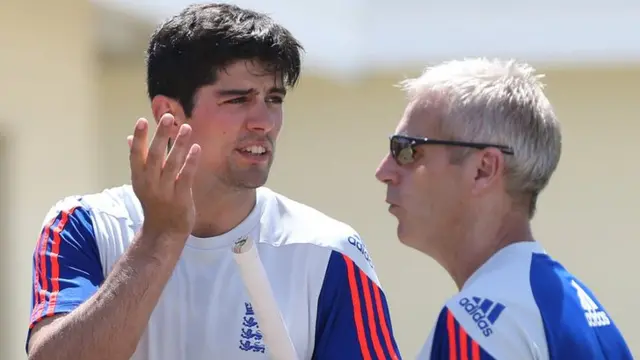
(361, 35)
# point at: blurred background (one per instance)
(72, 84)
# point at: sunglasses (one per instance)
(403, 148)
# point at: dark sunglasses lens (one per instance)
(401, 150)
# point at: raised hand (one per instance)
(162, 182)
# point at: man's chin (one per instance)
(407, 235)
(252, 180)
(402, 233)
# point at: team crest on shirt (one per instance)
(250, 335)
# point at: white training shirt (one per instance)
(522, 305)
(319, 268)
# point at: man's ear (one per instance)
(161, 105)
(489, 168)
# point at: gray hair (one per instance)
(500, 102)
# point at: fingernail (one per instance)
(183, 130)
(140, 125)
(167, 120)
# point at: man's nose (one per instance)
(387, 171)
(260, 119)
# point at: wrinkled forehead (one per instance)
(422, 118)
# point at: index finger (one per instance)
(157, 149)
(138, 151)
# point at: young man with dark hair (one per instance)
(146, 271)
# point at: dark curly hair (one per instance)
(187, 51)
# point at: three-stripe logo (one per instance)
(484, 312)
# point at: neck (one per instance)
(473, 249)
(218, 212)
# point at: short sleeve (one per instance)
(472, 327)
(66, 264)
(451, 341)
(353, 320)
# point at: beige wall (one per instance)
(47, 112)
(47, 107)
(585, 217)
(122, 100)
(335, 134)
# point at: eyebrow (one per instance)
(243, 92)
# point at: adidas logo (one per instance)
(484, 312)
(595, 317)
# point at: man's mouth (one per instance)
(254, 150)
(255, 154)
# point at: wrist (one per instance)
(161, 245)
(159, 235)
